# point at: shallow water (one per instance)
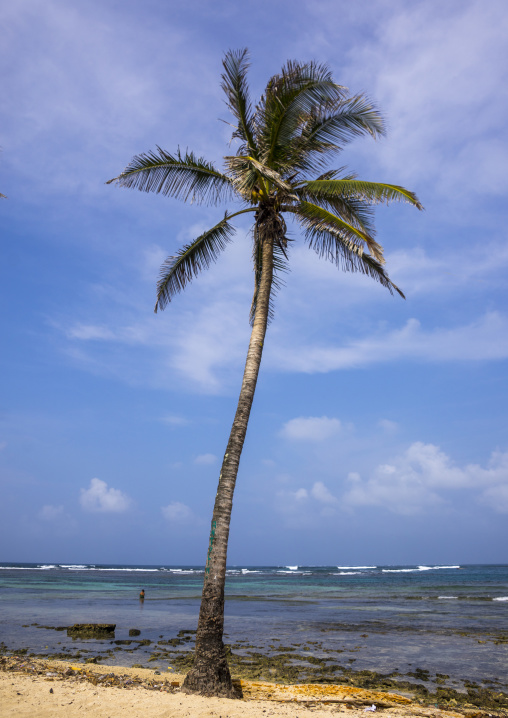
(387, 618)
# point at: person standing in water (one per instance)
(142, 595)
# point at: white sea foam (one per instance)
(500, 598)
(417, 568)
(347, 573)
(292, 568)
(132, 570)
(447, 597)
(347, 568)
(248, 570)
(434, 568)
(46, 566)
(73, 565)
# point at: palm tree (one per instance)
(302, 120)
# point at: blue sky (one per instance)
(379, 428)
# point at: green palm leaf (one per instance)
(184, 177)
(373, 192)
(180, 269)
(327, 132)
(353, 117)
(352, 209)
(289, 98)
(316, 219)
(234, 84)
(347, 255)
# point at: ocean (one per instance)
(422, 621)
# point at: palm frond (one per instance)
(234, 84)
(372, 192)
(327, 132)
(288, 101)
(316, 218)
(246, 173)
(3, 196)
(352, 117)
(347, 255)
(180, 269)
(181, 176)
(352, 209)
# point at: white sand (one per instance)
(38, 696)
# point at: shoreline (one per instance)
(307, 663)
(31, 676)
(45, 688)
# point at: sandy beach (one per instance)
(40, 689)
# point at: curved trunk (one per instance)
(210, 673)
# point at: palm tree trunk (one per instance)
(210, 673)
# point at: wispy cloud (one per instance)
(51, 513)
(176, 512)
(57, 521)
(484, 339)
(205, 459)
(321, 493)
(426, 59)
(174, 420)
(123, 99)
(310, 428)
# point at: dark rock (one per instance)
(171, 642)
(134, 631)
(92, 630)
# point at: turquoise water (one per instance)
(447, 619)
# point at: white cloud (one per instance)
(322, 494)
(306, 506)
(497, 498)
(98, 498)
(311, 428)
(205, 459)
(57, 521)
(445, 272)
(390, 427)
(201, 338)
(130, 93)
(428, 56)
(268, 462)
(90, 332)
(174, 420)
(176, 512)
(420, 478)
(484, 339)
(51, 513)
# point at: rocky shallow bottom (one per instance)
(298, 663)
